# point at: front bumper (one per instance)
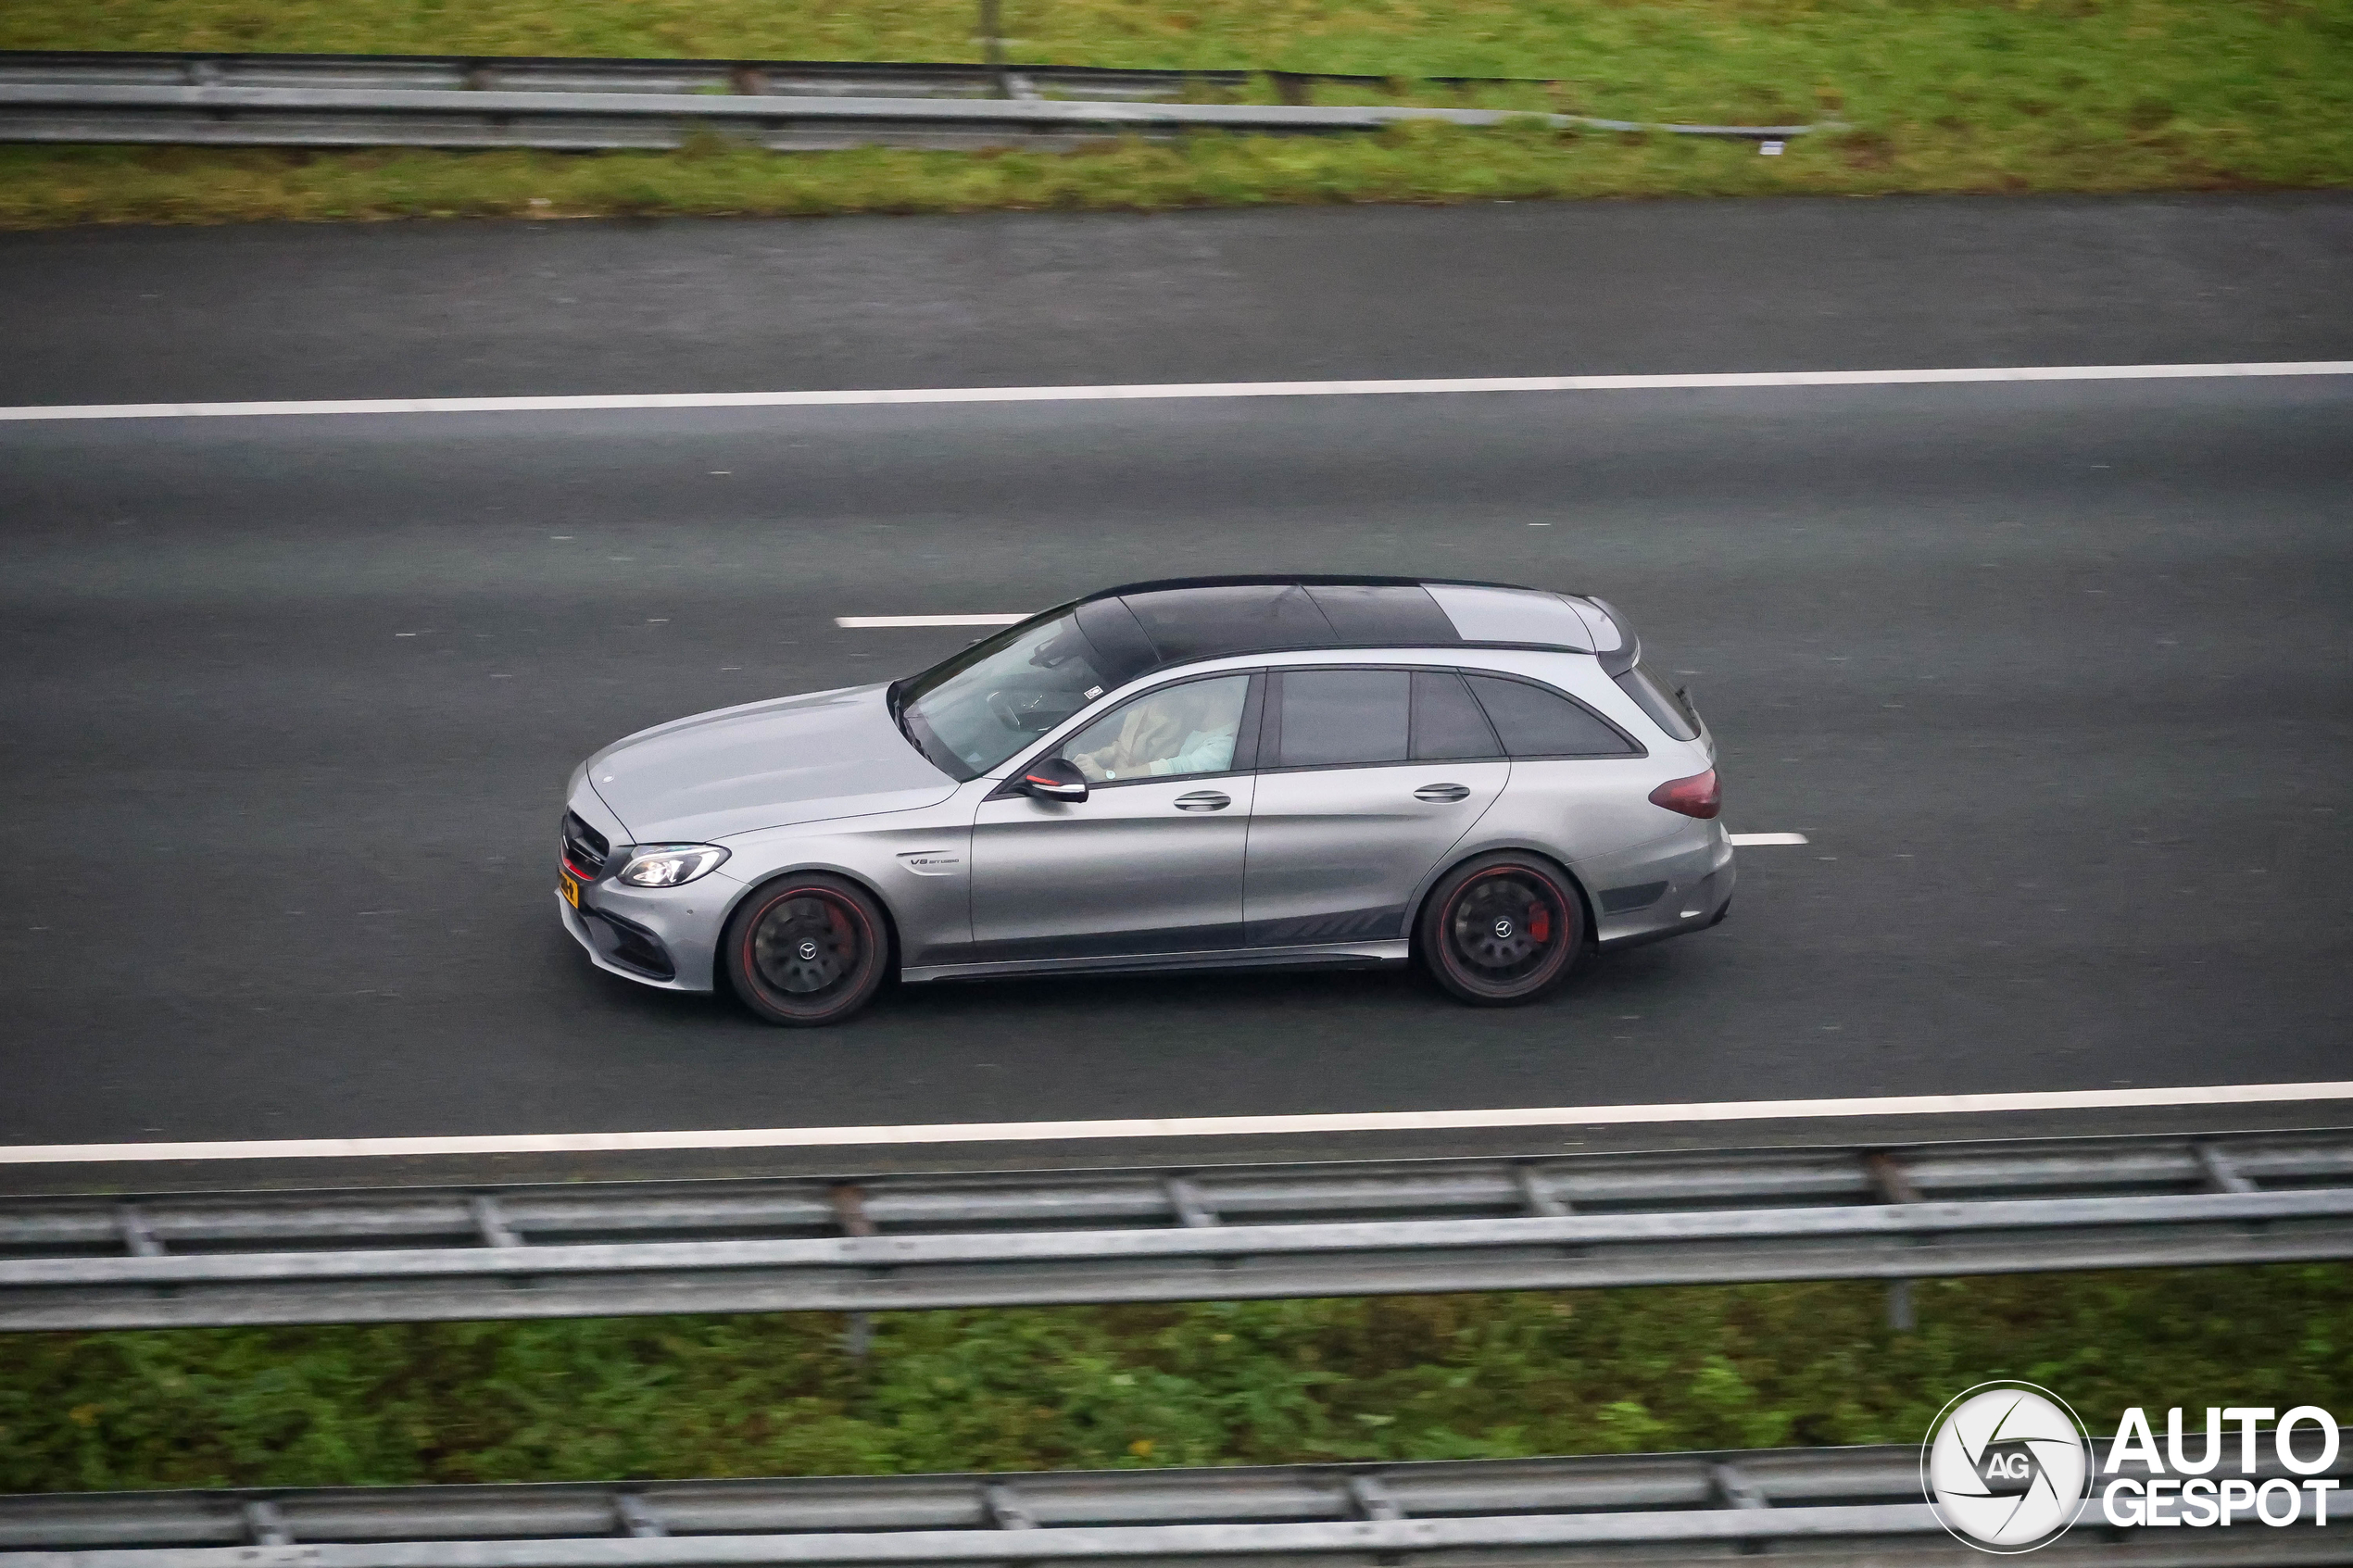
(659, 936)
(654, 939)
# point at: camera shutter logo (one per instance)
(2005, 1465)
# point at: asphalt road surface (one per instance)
(2054, 678)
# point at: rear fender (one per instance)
(1545, 858)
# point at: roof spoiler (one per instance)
(1616, 647)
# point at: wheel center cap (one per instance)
(808, 949)
(1503, 929)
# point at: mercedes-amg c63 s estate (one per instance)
(1212, 772)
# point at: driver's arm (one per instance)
(1206, 751)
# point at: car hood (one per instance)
(764, 765)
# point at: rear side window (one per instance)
(1333, 718)
(1448, 724)
(1670, 710)
(1537, 723)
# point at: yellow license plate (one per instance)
(571, 890)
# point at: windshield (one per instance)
(973, 712)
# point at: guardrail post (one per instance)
(265, 1525)
(1732, 1484)
(1375, 1504)
(1005, 1509)
(992, 43)
(637, 1518)
(1192, 1209)
(849, 1208)
(1538, 1195)
(1372, 1500)
(138, 1237)
(1894, 1186)
(490, 1221)
(2221, 1174)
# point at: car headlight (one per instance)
(667, 865)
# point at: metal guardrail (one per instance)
(1816, 1505)
(1226, 1233)
(337, 100)
(855, 79)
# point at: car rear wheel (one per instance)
(1502, 929)
(807, 951)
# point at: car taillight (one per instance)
(1698, 795)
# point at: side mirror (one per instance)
(1053, 778)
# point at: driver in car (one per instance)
(1178, 731)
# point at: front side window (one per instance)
(1338, 718)
(1187, 728)
(971, 712)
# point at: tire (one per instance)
(1501, 930)
(807, 951)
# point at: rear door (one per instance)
(1366, 778)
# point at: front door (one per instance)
(1369, 778)
(1151, 861)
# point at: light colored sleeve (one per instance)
(1205, 752)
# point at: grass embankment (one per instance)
(1471, 1376)
(1990, 96)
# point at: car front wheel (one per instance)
(806, 950)
(1502, 929)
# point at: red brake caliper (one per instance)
(1539, 923)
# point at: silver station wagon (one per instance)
(1207, 774)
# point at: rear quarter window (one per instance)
(1667, 708)
(1448, 723)
(1536, 721)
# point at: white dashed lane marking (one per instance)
(1759, 840)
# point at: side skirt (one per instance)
(1346, 954)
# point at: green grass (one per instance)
(1938, 96)
(1442, 1377)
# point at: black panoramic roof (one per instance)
(1176, 620)
(1297, 580)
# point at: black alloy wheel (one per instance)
(1502, 929)
(807, 949)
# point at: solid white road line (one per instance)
(861, 621)
(1728, 380)
(1749, 840)
(1178, 1126)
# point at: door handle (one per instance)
(1442, 792)
(1203, 800)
